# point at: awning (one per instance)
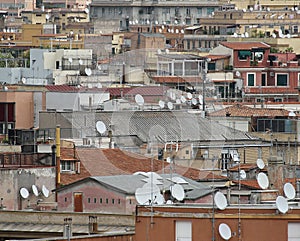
(244, 53)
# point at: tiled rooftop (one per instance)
(245, 45)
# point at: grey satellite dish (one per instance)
(35, 190)
(225, 231)
(282, 204)
(70, 60)
(45, 191)
(80, 62)
(289, 191)
(170, 105)
(220, 200)
(100, 126)
(263, 180)
(161, 104)
(139, 99)
(183, 99)
(24, 192)
(189, 95)
(243, 174)
(260, 163)
(177, 192)
(88, 71)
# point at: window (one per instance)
(250, 79)
(100, 200)
(183, 231)
(282, 79)
(263, 79)
(293, 231)
(89, 200)
(187, 152)
(113, 201)
(106, 200)
(67, 166)
(244, 54)
(119, 201)
(66, 199)
(95, 200)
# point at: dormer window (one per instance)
(244, 54)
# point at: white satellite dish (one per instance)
(194, 101)
(148, 22)
(156, 22)
(263, 180)
(88, 71)
(47, 16)
(100, 126)
(142, 197)
(244, 10)
(70, 60)
(139, 99)
(225, 231)
(45, 191)
(292, 114)
(200, 99)
(167, 51)
(170, 105)
(220, 200)
(235, 35)
(80, 62)
(23, 80)
(182, 30)
(282, 204)
(177, 30)
(238, 74)
(161, 104)
(86, 10)
(35, 190)
(273, 35)
(260, 163)
(163, 27)
(169, 202)
(289, 191)
(183, 99)
(159, 51)
(24, 192)
(160, 30)
(243, 174)
(147, 194)
(189, 95)
(177, 192)
(159, 199)
(130, 22)
(246, 35)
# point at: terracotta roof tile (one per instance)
(217, 57)
(239, 110)
(245, 45)
(251, 183)
(175, 79)
(108, 162)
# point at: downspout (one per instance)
(57, 157)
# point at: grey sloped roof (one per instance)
(128, 184)
(162, 126)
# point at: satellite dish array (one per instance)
(150, 194)
(182, 100)
(25, 193)
(281, 202)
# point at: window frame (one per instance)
(254, 79)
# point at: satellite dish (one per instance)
(139, 99)
(45, 191)
(194, 101)
(70, 60)
(156, 22)
(282, 204)
(141, 196)
(182, 30)
(169, 202)
(160, 30)
(292, 114)
(176, 22)
(80, 62)
(289, 191)
(23, 80)
(148, 22)
(177, 192)
(47, 16)
(86, 10)
(246, 34)
(235, 35)
(100, 126)
(200, 99)
(263, 180)
(225, 231)
(88, 71)
(177, 30)
(24, 192)
(220, 200)
(167, 51)
(148, 193)
(159, 199)
(161, 104)
(260, 163)
(268, 9)
(251, 9)
(136, 21)
(35, 190)
(243, 174)
(130, 22)
(189, 95)
(163, 27)
(238, 74)
(183, 99)
(273, 35)
(244, 10)
(170, 105)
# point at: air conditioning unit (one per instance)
(272, 74)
